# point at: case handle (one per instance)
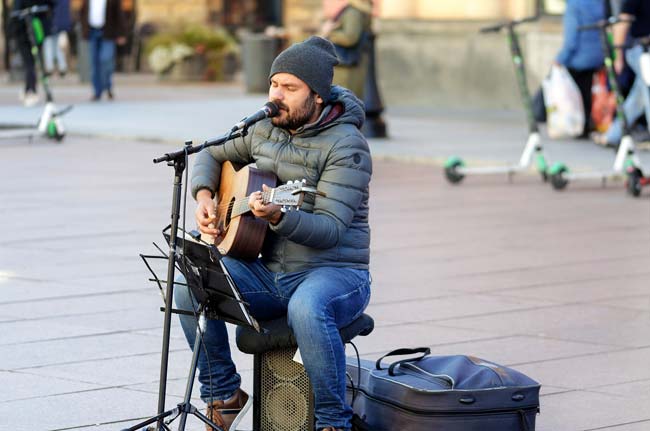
(399, 352)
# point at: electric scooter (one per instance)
(455, 169)
(626, 160)
(49, 124)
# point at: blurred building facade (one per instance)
(429, 52)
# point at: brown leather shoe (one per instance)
(223, 413)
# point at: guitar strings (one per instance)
(241, 201)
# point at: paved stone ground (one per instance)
(556, 285)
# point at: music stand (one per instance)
(178, 160)
(217, 297)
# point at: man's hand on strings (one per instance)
(268, 212)
(206, 213)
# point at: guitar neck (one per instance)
(240, 206)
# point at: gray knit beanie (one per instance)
(312, 61)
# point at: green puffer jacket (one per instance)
(330, 154)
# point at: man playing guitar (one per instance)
(313, 265)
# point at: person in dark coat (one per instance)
(103, 24)
(348, 27)
(19, 31)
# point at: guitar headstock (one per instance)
(291, 194)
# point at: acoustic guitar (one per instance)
(242, 234)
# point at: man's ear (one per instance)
(319, 100)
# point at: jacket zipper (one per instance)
(283, 263)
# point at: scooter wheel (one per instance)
(558, 180)
(53, 131)
(451, 170)
(634, 176)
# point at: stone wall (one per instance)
(302, 17)
(430, 52)
(167, 11)
(454, 10)
(447, 64)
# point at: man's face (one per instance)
(298, 104)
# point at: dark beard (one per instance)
(297, 119)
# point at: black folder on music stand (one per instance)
(209, 280)
(218, 298)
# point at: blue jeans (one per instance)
(317, 302)
(637, 101)
(52, 51)
(102, 61)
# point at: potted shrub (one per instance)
(192, 52)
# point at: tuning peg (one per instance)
(283, 209)
(304, 181)
(290, 182)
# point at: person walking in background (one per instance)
(19, 30)
(56, 45)
(638, 100)
(347, 26)
(582, 52)
(102, 23)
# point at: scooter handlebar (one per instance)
(33, 10)
(513, 23)
(492, 28)
(604, 23)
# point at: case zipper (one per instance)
(443, 379)
(445, 413)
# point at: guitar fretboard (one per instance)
(240, 206)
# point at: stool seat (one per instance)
(276, 334)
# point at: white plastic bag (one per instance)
(565, 116)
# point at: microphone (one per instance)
(269, 110)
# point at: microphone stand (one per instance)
(177, 160)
